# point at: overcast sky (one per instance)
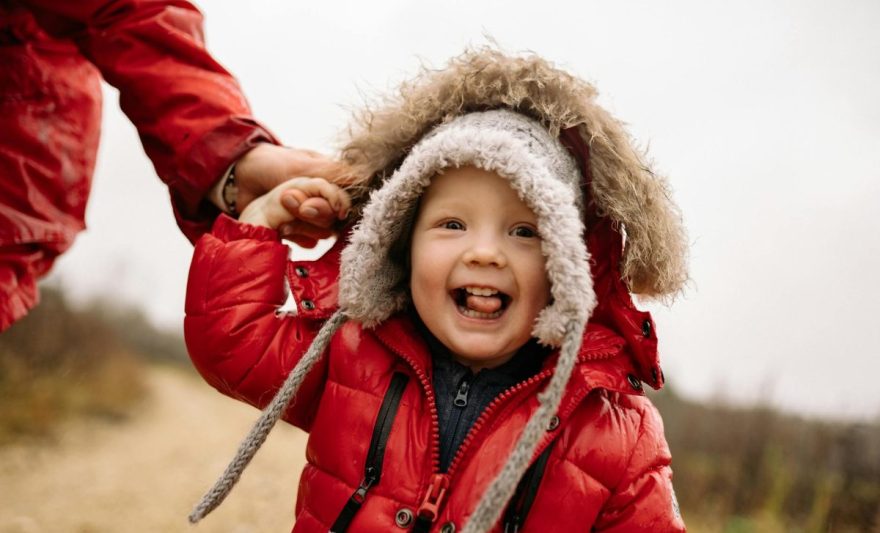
(764, 116)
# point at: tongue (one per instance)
(483, 304)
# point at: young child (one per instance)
(467, 356)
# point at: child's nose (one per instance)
(485, 252)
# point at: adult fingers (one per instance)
(312, 163)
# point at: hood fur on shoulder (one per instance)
(623, 186)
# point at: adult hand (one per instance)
(267, 165)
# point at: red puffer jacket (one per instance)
(608, 469)
(189, 111)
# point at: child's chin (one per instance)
(488, 357)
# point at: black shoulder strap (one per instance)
(521, 503)
(376, 453)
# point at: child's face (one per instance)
(478, 280)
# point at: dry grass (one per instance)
(95, 437)
(756, 469)
(146, 473)
(58, 363)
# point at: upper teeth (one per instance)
(480, 291)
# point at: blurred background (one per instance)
(765, 119)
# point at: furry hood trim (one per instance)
(623, 187)
(538, 168)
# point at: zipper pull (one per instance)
(430, 507)
(354, 503)
(461, 396)
(369, 479)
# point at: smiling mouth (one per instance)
(480, 302)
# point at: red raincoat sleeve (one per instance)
(190, 113)
(234, 336)
(644, 500)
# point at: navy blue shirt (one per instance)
(462, 395)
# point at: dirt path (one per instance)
(145, 474)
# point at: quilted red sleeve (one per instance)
(190, 113)
(235, 337)
(644, 500)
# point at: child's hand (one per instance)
(306, 207)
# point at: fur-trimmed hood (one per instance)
(373, 283)
(623, 186)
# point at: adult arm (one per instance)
(190, 113)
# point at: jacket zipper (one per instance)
(376, 452)
(461, 395)
(429, 509)
(489, 411)
(435, 496)
(521, 503)
(506, 395)
(459, 404)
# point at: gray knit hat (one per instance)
(371, 287)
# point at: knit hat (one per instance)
(546, 177)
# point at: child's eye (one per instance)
(453, 224)
(526, 232)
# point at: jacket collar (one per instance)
(603, 360)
